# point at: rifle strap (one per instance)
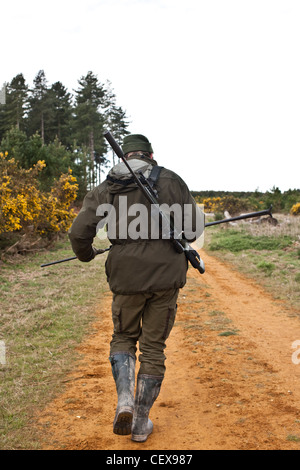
(154, 175)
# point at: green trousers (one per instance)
(146, 319)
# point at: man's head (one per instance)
(137, 143)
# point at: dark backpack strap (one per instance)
(154, 175)
(153, 178)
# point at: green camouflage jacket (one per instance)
(133, 265)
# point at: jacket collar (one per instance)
(142, 158)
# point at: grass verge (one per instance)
(269, 254)
(44, 314)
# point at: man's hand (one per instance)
(98, 251)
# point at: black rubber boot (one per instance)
(147, 390)
(123, 370)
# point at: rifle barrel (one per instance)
(60, 261)
(240, 217)
(73, 257)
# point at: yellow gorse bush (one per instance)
(219, 204)
(295, 210)
(23, 204)
(213, 204)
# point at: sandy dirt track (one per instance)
(238, 391)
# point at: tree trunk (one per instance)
(92, 156)
(42, 129)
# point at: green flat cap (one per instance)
(136, 142)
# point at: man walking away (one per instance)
(144, 275)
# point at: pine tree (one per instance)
(115, 117)
(59, 126)
(28, 151)
(12, 113)
(14, 142)
(40, 111)
(16, 97)
(89, 121)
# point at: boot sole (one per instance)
(141, 437)
(122, 423)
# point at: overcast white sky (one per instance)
(213, 84)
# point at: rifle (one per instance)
(181, 245)
(98, 252)
(209, 224)
(244, 216)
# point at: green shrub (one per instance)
(266, 267)
(235, 241)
